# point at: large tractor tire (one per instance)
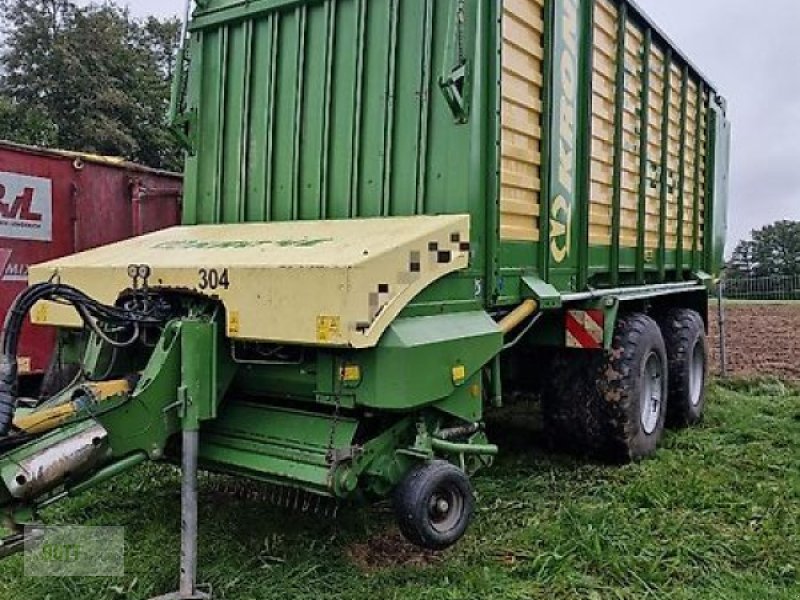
(612, 405)
(687, 351)
(434, 505)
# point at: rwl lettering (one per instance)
(21, 209)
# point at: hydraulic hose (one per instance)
(90, 311)
(8, 392)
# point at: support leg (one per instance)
(188, 589)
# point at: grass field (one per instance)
(715, 515)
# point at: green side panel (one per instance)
(274, 444)
(699, 246)
(466, 401)
(718, 192)
(413, 365)
(333, 109)
(337, 109)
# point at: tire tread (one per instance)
(592, 398)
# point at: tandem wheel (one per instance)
(687, 351)
(612, 405)
(434, 505)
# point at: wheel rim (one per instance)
(698, 374)
(445, 508)
(652, 398)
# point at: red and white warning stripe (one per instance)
(585, 329)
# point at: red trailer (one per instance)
(54, 203)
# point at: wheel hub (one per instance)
(697, 374)
(651, 402)
(445, 508)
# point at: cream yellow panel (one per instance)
(521, 119)
(631, 155)
(604, 76)
(654, 149)
(330, 283)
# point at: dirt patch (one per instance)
(762, 340)
(388, 551)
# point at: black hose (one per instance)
(90, 311)
(8, 393)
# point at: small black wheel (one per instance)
(687, 351)
(434, 505)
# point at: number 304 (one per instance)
(214, 279)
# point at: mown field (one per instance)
(715, 515)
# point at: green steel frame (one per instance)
(619, 108)
(680, 259)
(644, 147)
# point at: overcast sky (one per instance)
(751, 51)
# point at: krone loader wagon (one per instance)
(396, 212)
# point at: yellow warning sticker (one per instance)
(234, 325)
(459, 374)
(351, 373)
(40, 313)
(329, 329)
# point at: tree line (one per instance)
(767, 266)
(92, 78)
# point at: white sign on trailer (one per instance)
(26, 207)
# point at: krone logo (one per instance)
(561, 229)
(566, 132)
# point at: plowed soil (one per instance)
(762, 340)
(390, 550)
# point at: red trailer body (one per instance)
(55, 203)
